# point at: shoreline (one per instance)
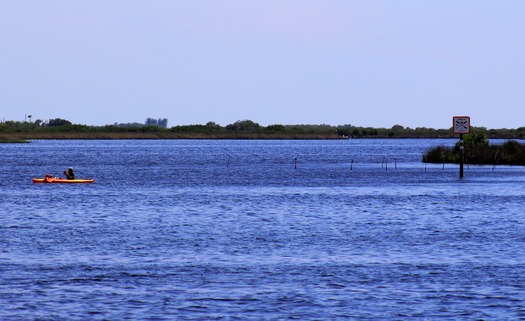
(24, 137)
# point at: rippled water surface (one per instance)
(258, 230)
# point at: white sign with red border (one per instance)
(461, 124)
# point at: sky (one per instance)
(376, 63)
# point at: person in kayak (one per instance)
(70, 174)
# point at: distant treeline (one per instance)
(248, 129)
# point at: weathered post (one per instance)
(461, 126)
(462, 158)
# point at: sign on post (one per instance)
(461, 124)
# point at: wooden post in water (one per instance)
(462, 159)
(351, 164)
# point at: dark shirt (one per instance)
(69, 174)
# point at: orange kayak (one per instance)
(50, 179)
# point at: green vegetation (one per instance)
(479, 151)
(243, 129)
(12, 141)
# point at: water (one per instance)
(258, 230)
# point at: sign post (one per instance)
(461, 126)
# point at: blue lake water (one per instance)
(258, 230)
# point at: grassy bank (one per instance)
(7, 139)
(509, 153)
(26, 136)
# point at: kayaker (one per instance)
(69, 173)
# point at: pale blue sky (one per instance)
(367, 63)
